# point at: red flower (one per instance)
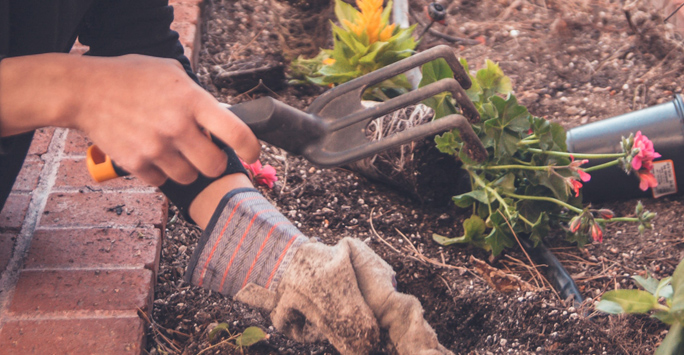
(575, 185)
(606, 213)
(575, 224)
(596, 233)
(646, 152)
(265, 175)
(647, 179)
(574, 166)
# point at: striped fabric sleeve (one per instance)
(247, 240)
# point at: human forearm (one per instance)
(35, 92)
(144, 112)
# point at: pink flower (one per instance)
(606, 213)
(574, 185)
(596, 233)
(647, 179)
(646, 152)
(574, 166)
(265, 176)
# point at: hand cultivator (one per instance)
(333, 130)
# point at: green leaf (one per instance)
(609, 307)
(677, 308)
(665, 317)
(673, 343)
(446, 143)
(554, 183)
(473, 229)
(492, 77)
(498, 239)
(506, 183)
(540, 229)
(434, 71)
(345, 11)
(649, 284)
(386, 12)
(250, 336)
(217, 329)
(632, 301)
(468, 198)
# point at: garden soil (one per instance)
(570, 61)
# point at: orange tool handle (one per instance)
(101, 167)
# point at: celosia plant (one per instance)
(365, 41)
(530, 182)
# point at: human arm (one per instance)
(145, 112)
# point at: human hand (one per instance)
(148, 115)
(344, 293)
(144, 112)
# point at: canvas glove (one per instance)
(343, 293)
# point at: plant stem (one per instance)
(601, 166)
(493, 192)
(513, 166)
(528, 142)
(544, 198)
(525, 220)
(617, 219)
(577, 155)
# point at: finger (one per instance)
(151, 175)
(227, 127)
(204, 155)
(177, 168)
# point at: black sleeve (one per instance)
(118, 27)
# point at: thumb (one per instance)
(257, 296)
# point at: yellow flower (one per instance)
(328, 61)
(369, 21)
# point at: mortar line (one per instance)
(48, 175)
(70, 315)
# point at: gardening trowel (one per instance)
(333, 130)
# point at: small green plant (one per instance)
(363, 42)
(529, 183)
(664, 299)
(247, 338)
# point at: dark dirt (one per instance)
(570, 61)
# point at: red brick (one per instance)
(95, 248)
(76, 143)
(185, 2)
(105, 209)
(12, 215)
(187, 13)
(187, 32)
(124, 335)
(7, 241)
(27, 180)
(41, 141)
(40, 292)
(73, 172)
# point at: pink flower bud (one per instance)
(596, 233)
(606, 213)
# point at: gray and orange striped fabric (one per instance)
(247, 240)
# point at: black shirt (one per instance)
(108, 27)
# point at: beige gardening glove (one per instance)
(326, 291)
(343, 293)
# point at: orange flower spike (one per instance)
(387, 33)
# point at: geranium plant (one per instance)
(363, 42)
(530, 182)
(664, 299)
